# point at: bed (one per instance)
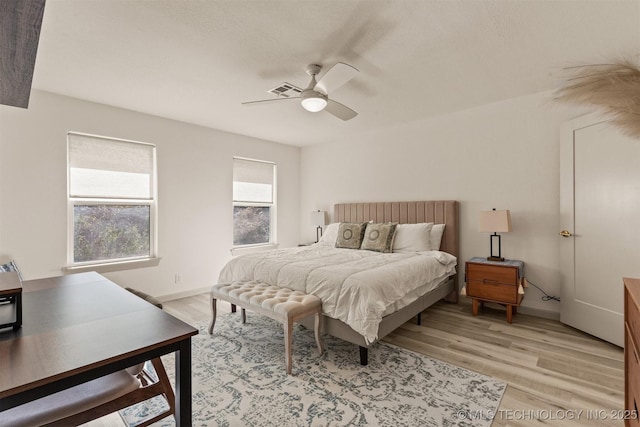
(312, 269)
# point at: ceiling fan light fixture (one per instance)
(313, 101)
(315, 97)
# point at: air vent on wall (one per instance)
(286, 90)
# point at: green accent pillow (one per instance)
(379, 237)
(350, 235)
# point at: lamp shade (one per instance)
(317, 218)
(495, 222)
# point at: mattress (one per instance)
(357, 287)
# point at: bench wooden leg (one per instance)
(317, 325)
(312, 307)
(213, 315)
(288, 332)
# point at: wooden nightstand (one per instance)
(499, 282)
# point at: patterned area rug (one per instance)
(239, 379)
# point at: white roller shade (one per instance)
(253, 181)
(108, 168)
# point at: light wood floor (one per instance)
(552, 371)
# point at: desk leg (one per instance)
(183, 384)
(18, 324)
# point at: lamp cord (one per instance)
(546, 296)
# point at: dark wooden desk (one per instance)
(79, 327)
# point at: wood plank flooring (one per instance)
(556, 375)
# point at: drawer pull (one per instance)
(491, 282)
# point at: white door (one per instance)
(600, 207)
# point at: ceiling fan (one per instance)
(315, 97)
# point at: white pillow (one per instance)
(412, 237)
(436, 236)
(330, 235)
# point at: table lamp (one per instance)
(495, 222)
(317, 219)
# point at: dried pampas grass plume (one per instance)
(614, 88)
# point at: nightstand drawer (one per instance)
(492, 291)
(499, 274)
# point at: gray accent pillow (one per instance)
(379, 237)
(350, 235)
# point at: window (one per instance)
(112, 199)
(254, 202)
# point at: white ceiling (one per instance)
(197, 60)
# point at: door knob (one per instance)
(565, 233)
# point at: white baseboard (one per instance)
(538, 312)
(529, 311)
(183, 294)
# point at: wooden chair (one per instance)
(94, 399)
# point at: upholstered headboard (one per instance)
(437, 211)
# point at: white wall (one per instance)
(194, 189)
(503, 155)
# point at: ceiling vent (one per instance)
(286, 90)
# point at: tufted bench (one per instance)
(281, 304)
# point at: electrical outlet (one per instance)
(178, 279)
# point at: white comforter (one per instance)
(355, 286)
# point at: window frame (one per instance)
(113, 263)
(244, 203)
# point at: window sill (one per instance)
(113, 266)
(239, 250)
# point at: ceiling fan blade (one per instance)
(268, 100)
(337, 75)
(340, 111)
